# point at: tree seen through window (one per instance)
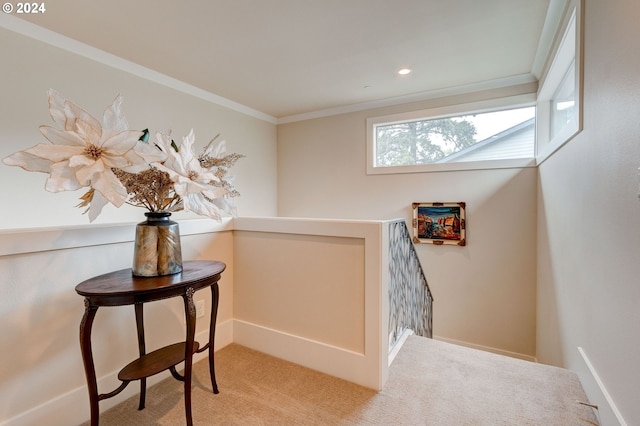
(421, 142)
(427, 141)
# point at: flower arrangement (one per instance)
(121, 166)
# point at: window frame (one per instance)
(489, 105)
(567, 54)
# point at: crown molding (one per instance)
(416, 97)
(52, 38)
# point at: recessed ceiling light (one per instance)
(404, 71)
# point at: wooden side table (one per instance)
(122, 288)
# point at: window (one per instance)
(563, 105)
(559, 106)
(489, 134)
(493, 135)
(517, 131)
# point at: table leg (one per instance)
(190, 314)
(87, 359)
(141, 350)
(215, 293)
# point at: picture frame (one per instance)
(439, 223)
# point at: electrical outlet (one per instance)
(199, 308)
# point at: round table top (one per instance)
(122, 287)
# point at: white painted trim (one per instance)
(568, 51)
(44, 35)
(398, 345)
(488, 105)
(416, 97)
(517, 163)
(335, 361)
(602, 388)
(369, 369)
(549, 34)
(56, 412)
(487, 349)
(20, 241)
(306, 226)
(384, 278)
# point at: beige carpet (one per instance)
(430, 383)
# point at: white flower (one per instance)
(83, 152)
(118, 167)
(193, 183)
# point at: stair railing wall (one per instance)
(410, 299)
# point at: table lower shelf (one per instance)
(155, 362)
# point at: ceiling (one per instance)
(287, 58)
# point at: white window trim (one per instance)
(442, 112)
(569, 50)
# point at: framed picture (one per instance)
(439, 223)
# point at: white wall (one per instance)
(315, 292)
(42, 379)
(277, 287)
(586, 211)
(484, 292)
(589, 222)
(41, 369)
(30, 67)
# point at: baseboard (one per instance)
(72, 408)
(607, 412)
(335, 361)
(398, 345)
(488, 349)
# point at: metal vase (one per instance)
(157, 248)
